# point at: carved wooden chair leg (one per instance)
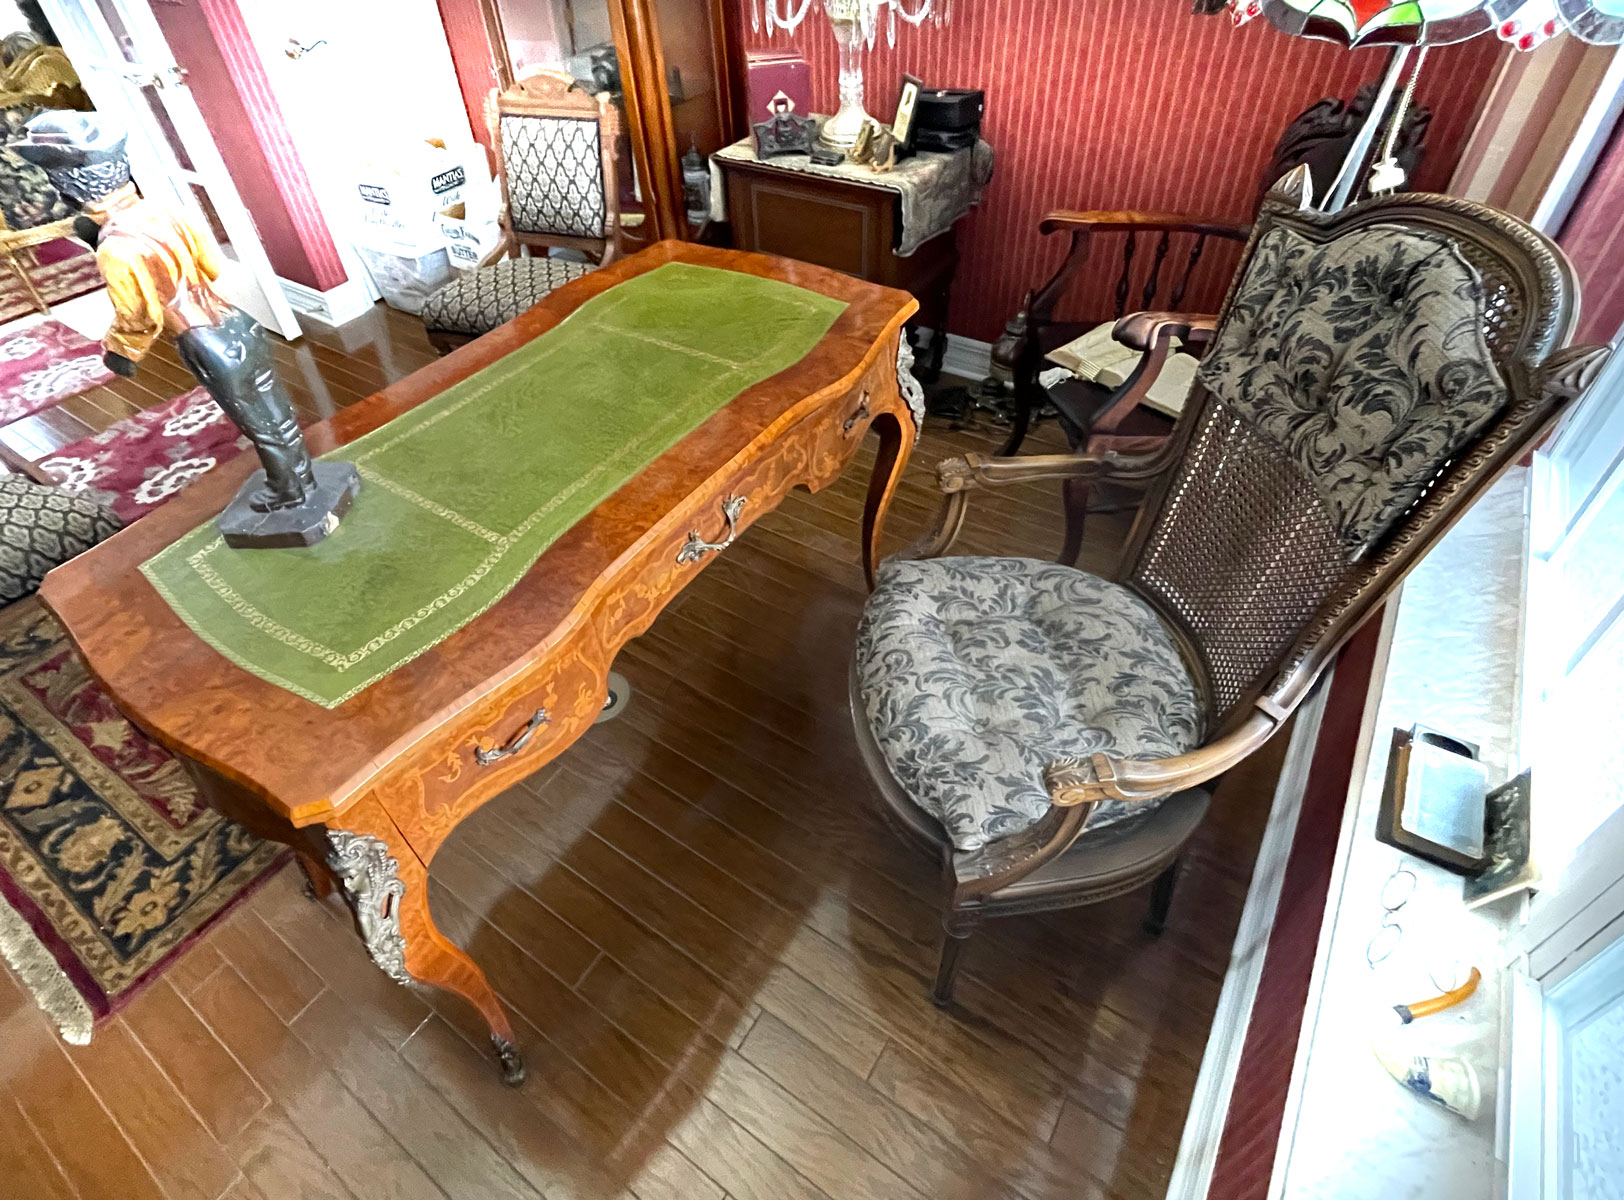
(956, 930)
(1161, 897)
(1075, 495)
(1020, 421)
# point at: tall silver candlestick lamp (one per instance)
(855, 24)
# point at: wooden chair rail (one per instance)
(957, 477)
(1128, 220)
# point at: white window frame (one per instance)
(1571, 965)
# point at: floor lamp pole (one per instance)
(1347, 179)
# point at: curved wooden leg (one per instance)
(956, 930)
(1075, 494)
(1019, 423)
(896, 444)
(386, 884)
(318, 883)
(1161, 898)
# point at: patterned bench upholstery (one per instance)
(478, 301)
(42, 527)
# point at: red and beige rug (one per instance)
(43, 365)
(110, 863)
(66, 269)
(136, 464)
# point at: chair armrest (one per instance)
(968, 471)
(1074, 781)
(1152, 334)
(958, 477)
(1143, 330)
(1119, 220)
(1076, 786)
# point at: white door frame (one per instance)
(115, 77)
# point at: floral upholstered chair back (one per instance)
(1368, 373)
(556, 149)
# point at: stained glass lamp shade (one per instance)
(1405, 25)
(1381, 22)
(1523, 23)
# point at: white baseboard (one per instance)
(965, 357)
(346, 302)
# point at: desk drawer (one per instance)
(541, 711)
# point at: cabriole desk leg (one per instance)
(897, 426)
(386, 885)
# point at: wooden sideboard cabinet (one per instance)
(848, 226)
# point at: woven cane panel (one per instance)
(1505, 308)
(1243, 553)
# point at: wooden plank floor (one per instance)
(716, 953)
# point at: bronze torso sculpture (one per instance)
(160, 274)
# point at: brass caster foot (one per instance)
(509, 1059)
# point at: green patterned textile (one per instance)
(462, 494)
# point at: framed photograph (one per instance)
(903, 126)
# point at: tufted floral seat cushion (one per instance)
(478, 301)
(976, 673)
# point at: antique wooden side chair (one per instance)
(1153, 260)
(556, 149)
(1178, 256)
(1054, 736)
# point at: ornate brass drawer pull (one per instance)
(860, 415)
(486, 757)
(696, 547)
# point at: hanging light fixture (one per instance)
(1410, 27)
(856, 24)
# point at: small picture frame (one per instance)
(903, 125)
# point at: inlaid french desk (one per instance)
(366, 789)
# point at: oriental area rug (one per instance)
(44, 364)
(66, 269)
(135, 464)
(110, 863)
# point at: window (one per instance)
(1573, 716)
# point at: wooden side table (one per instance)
(847, 225)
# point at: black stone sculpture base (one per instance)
(248, 528)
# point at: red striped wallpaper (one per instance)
(1121, 104)
(224, 71)
(1594, 238)
(473, 60)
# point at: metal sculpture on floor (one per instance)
(160, 272)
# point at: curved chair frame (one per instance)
(1050, 865)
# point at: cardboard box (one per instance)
(470, 230)
(405, 281)
(400, 193)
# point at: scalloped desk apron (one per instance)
(462, 494)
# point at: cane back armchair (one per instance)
(1055, 736)
(556, 149)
